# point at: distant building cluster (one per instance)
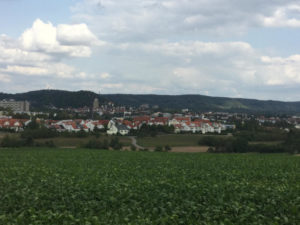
(16, 106)
(122, 120)
(123, 126)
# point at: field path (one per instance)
(191, 149)
(134, 142)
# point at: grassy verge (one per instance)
(173, 140)
(76, 142)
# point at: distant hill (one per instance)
(62, 99)
(58, 98)
(206, 103)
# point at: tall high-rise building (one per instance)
(20, 106)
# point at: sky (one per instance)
(228, 48)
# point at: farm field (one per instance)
(79, 186)
(173, 140)
(77, 142)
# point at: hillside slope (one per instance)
(62, 99)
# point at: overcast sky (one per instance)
(232, 48)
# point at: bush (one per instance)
(240, 145)
(214, 141)
(96, 144)
(82, 134)
(29, 141)
(50, 144)
(230, 145)
(42, 132)
(168, 148)
(11, 142)
(105, 144)
(210, 150)
(158, 149)
(267, 148)
(116, 144)
(132, 148)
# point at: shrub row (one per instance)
(9, 141)
(97, 144)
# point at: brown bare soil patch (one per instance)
(190, 149)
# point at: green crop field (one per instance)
(78, 186)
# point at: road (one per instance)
(134, 143)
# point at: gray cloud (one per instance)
(154, 46)
(150, 19)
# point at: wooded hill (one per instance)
(63, 99)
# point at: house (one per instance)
(118, 128)
(100, 124)
(69, 125)
(159, 121)
(13, 124)
(122, 129)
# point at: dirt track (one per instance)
(190, 149)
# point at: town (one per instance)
(121, 120)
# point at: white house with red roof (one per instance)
(13, 124)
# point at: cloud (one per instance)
(41, 49)
(155, 19)
(12, 52)
(153, 46)
(105, 75)
(70, 40)
(4, 78)
(281, 71)
(26, 70)
(233, 69)
(77, 34)
(287, 16)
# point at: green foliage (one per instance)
(172, 140)
(214, 141)
(158, 149)
(96, 144)
(85, 186)
(9, 141)
(152, 131)
(267, 148)
(115, 144)
(38, 133)
(79, 134)
(240, 145)
(208, 141)
(272, 135)
(168, 148)
(20, 116)
(132, 148)
(33, 124)
(48, 144)
(292, 142)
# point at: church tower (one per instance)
(95, 104)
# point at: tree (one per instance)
(158, 149)
(240, 145)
